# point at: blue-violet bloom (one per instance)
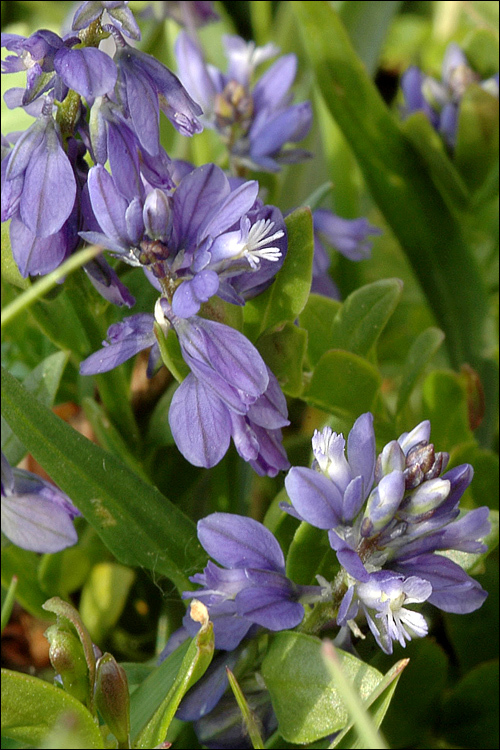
(36, 515)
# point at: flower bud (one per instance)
(425, 499)
(68, 659)
(391, 459)
(157, 215)
(383, 503)
(112, 697)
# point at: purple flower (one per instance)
(192, 14)
(202, 240)
(391, 533)
(36, 515)
(254, 121)
(347, 236)
(145, 86)
(125, 340)
(120, 15)
(440, 100)
(51, 63)
(251, 588)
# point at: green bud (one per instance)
(68, 659)
(112, 697)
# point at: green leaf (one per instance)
(287, 296)
(136, 522)
(309, 551)
(10, 271)
(361, 719)
(249, 720)
(429, 145)
(194, 665)
(399, 182)
(306, 702)
(24, 564)
(343, 383)
(31, 708)
(363, 315)
(109, 438)
(103, 598)
(43, 383)
(476, 151)
(170, 350)
(62, 573)
(317, 318)
(367, 24)
(445, 404)
(422, 349)
(284, 351)
(469, 716)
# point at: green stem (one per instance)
(48, 282)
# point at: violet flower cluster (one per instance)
(440, 100)
(36, 515)
(255, 121)
(389, 521)
(83, 101)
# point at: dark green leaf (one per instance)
(284, 351)
(136, 522)
(317, 318)
(363, 315)
(43, 383)
(287, 296)
(476, 151)
(343, 383)
(420, 353)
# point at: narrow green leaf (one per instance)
(367, 24)
(287, 296)
(399, 182)
(304, 696)
(109, 438)
(249, 720)
(32, 708)
(363, 315)
(8, 603)
(343, 383)
(136, 522)
(422, 349)
(43, 383)
(429, 145)
(24, 564)
(284, 351)
(317, 318)
(377, 704)
(153, 687)
(365, 728)
(194, 665)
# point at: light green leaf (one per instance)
(343, 383)
(31, 708)
(103, 598)
(287, 296)
(307, 555)
(249, 720)
(304, 696)
(422, 349)
(43, 383)
(136, 522)
(476, 151)
(284, 351)
(195, 663)
(445, 404)
(363, 315)
(376, 704)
